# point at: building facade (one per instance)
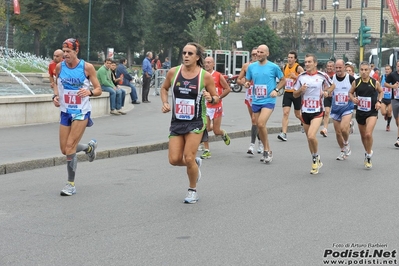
(315, 22)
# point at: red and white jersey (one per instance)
(312, 99)
(219, 89)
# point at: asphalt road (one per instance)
(129, 210)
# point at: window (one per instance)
(247, 4)
(263, 4)
(385, 26)
(323, 4)
(385, 4)
(365, 3)
(336, 25)
(275, 5)
(323, 25)
(347, 47)
(274, 24)
(310, 26)
(322, 45)
(311, 4)
(348, 3)
(287, 5)
(348, 25)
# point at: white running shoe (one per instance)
(260, 147)
(191, 197)
(251, 149)
(341, 156)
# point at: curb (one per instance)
(61, 160)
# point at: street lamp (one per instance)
(300, 13)
(263, 17)
(226, 22)
(335, 4)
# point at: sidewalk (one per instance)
(145, 128)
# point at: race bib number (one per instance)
(341, 96)
(396, 94)
(184, 109)
(260, 91)
(311, 105)
(387, 93)
(364, 104)
(289, 84)
(72, 101)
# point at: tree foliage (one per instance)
(258, 35)
(390, 39)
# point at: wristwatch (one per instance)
(379, 101)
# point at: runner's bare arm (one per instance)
(165, 90)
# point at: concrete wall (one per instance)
(39, 108)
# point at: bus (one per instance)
(389, 57)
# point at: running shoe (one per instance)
(341, 156)
(264, 157)
(324, 132)
(397, 143)
(347, 150)
(351, 127)
(367, 162)
(68, 190)
(268, 157)
(206, 154)
(260, 147)
(316, 165)
(388, 128)
(302, 129)
(201, 147)
(92, 153)
(191, 197)
(198, 160)
(226, 138)
(251, 149)
(282, 136)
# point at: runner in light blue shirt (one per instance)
(264, 75)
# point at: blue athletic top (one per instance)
(264, 78)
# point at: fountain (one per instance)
(10, 62)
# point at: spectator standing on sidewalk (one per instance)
(58, 56)
(147, 75)
(127, 79)
(115, 94)
(72, 96)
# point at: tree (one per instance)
(264, 35)
(197, 28)
(390, 39)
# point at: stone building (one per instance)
(317, 20)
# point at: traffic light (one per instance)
(365, 36)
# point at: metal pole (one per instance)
(7, 25)
(380, 44)
(88, 33)
(228, 30)
(361, 50)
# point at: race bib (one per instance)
(260, 91)
(184, 109)
(341, 96)
(396, 94)
(72, 101)
(387, 93)
(364, 103)
(311, 105)
(289, 84)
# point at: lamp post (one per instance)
(226, 21)
(300, 13)
(335, 4)
(8, 2)
(88, 33)
(263, 17)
